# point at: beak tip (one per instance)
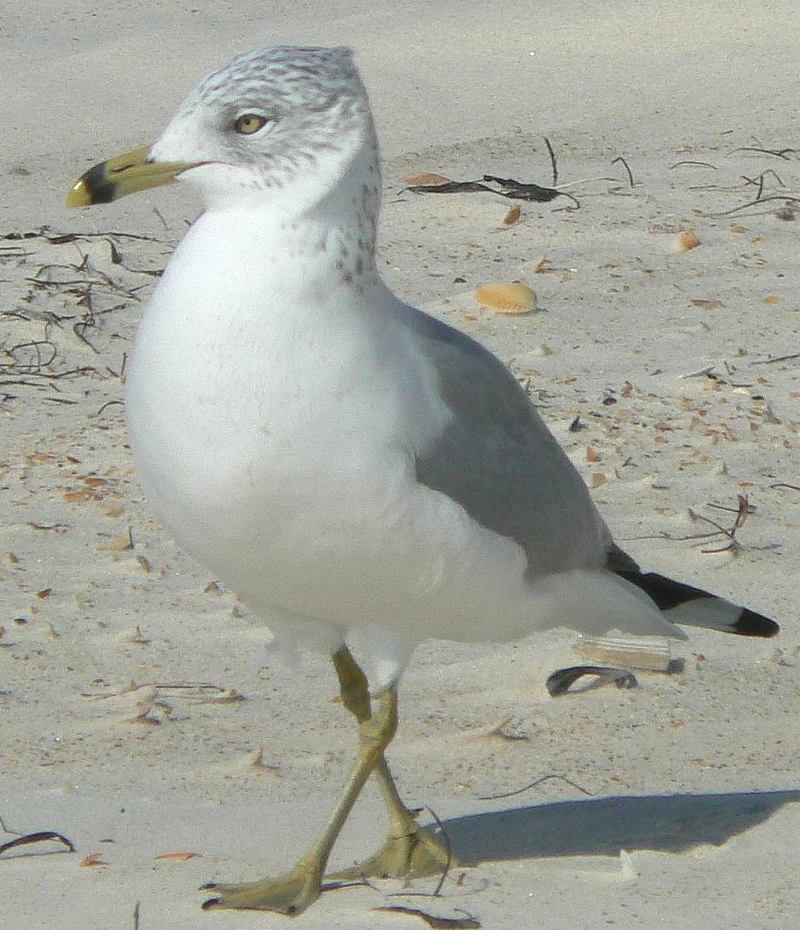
(121, 175)
(79, 195)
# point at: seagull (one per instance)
(357, 471)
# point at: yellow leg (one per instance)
(294, 891)
(409, 849)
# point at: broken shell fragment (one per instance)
(507, 297)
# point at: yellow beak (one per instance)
(124, 174)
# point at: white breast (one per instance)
(248, 412)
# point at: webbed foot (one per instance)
(418, 853)
(290, 893)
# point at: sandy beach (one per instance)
(142, 713)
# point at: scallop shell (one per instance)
(688, 239)
(507, 297)
(427, 179)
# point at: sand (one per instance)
(142, 712)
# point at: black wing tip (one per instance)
(752, 624)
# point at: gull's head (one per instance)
(283, 123)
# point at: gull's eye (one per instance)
(248, 123)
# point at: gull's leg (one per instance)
(294, 891)
(409, 849)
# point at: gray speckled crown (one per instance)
(313, 98)
(308, 76)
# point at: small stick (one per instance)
(73, 237)
(449, 849)
(779, 358)
(620, 159)
(756, 203)
(108, 403)
(39, 837)
(759, 181)
(778, 153)
(552, 161)
(701, 164)
(737, 510)
(163, 221)
(533, 784)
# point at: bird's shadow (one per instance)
(603, 826)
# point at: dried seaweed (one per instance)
(504, 187)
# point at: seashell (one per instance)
(428, 179)
(507, 297)
(687, 240)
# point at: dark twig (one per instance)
(448, 848)
(756, 203)
(73, 237)
(552, 161)
(743, 502)
(699, 164)
(108, 403)
(742, 513)
(759, 182)
(32, 365)
(779, 358)
(533, 784)
(437, 923)
(743, 510)
(627, 167)
(39, 837)
(778, 153)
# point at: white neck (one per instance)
(331, 208)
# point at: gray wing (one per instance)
(499, 461)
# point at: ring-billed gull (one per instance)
(352, 467)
